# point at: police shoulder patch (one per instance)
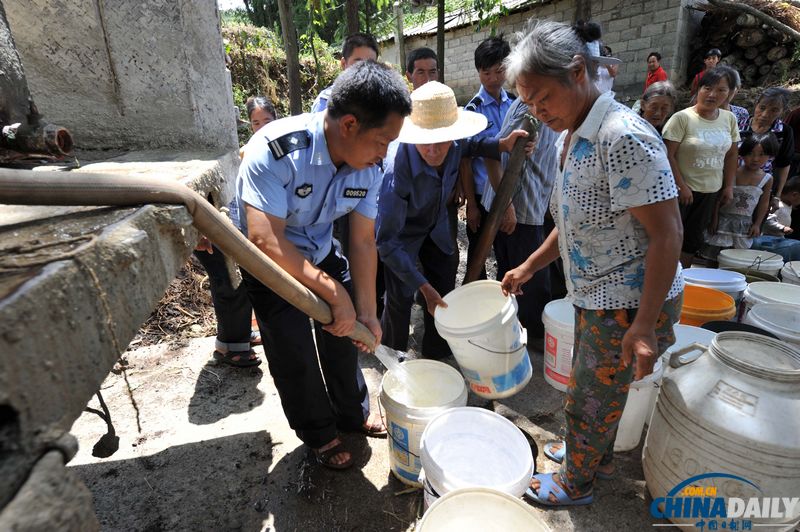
(355, 193)
(474, 103)
(296, 140)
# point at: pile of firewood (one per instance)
(761, 48)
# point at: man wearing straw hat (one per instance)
(412, 222)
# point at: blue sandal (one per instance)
(548, 485)
(558, 457)
(555, 456)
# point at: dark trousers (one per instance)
(472, 236)
(312, 411)
(696, 218)
(511, 251)
(231, 305)
(440, 270)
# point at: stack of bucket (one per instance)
(435, 441)
(474, 447)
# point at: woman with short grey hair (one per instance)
(658, 103)
(619, 233)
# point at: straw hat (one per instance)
(436, 117)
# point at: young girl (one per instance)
(736, 223)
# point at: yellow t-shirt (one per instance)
(702, 146)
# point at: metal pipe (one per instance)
(24, 187)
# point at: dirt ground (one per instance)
(214, 452)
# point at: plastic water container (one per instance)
(474, 447)
(684, 336)
(638, 408)
(783, 293)
(790, 273)
(480, 324)
(781, 320)
(730, 282)
(765, 261)
(480, 510)
(407, 414)
(558, 318)
(735, 409)
(701, 304)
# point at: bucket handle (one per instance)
(389, 432)
(470, 342)
(675, 358)
(758, 260)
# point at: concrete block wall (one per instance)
(131, 75)
(632, 28)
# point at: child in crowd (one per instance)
(736, 223)
(778, 225)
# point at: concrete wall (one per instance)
(127, 74)
(632, 28)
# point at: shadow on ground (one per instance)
(222, 390)
(156, 492)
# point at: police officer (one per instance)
(298, 175)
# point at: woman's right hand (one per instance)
(685, 196)
(514, 279)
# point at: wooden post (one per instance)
(440, 39)
(501, 201)
(398, 36)
(292, 58)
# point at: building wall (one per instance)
(632, 28)
(122, 74)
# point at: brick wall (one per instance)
(632, 28)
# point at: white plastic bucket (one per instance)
(732, 283)
(764, 261)
(781, 320)
(767, 292)
(480, 324)
(790, 273)
(481, 510)
(407, 415)
(638, 409)
(474, 447)
(559, 335)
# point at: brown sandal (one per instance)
(325, 458)
(374, 430)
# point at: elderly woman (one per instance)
(658, 103)
(702, 146)
(619, 233)
(770, 107)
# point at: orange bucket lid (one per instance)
(701, 304)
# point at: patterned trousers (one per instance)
(598, 388)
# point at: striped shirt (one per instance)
(533, 191)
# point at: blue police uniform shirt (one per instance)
(413, 204)
(301, 184)
(321, 101)
(485, 104)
